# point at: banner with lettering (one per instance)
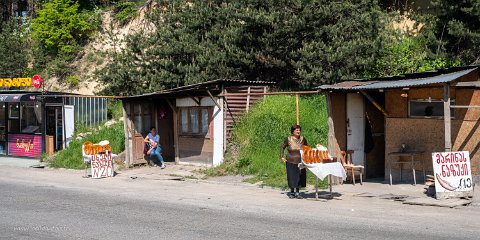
(25, 145)
(102, 165)
(452, 172)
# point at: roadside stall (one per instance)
(28, 122)
(392, 125)
(321, 164)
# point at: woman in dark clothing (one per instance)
(296, 178)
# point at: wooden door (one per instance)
(138, 146)
(165, 129)
(356, 127)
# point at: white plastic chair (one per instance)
(87, 159)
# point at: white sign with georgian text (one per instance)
(452, 172)
(102, 165)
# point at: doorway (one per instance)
(375, 137)
(356, 127)
(54, 126)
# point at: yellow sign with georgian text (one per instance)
(15, 82)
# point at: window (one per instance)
(142, 117)
(31, 117)
(14, 110)
(428, 108)
(14, 117)
(195, 120)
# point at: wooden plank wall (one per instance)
(236, 106)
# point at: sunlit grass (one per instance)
(71, 157)
(260, 133)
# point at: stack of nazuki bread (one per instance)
(315, 155)
(90, 148)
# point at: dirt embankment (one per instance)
(94, 54)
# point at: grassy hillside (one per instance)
(258, 136)
(71, 157)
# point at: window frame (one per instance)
(200, 120)
(452, 110)
(145, 111)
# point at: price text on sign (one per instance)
(102, 165)
(452, 171)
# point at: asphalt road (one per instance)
(59, 204)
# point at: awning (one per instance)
(18, 97)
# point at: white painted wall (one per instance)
(218, 130)
(188, 102)
(218, 123)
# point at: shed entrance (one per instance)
(355, 127)
(375, 136)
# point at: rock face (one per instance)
(110, 123)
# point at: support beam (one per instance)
(197, 101)
(447, 118)
(128, 139)
(175, 137)
(374, 103)
(213, 99)
(175, 130)
(171, 105)
(463, 106)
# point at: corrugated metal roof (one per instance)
(407, 81)
(200, 86)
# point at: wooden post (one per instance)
(331, 127)
(446, 118)
(175, 136)
(129, 137)
(296, 101)
(248, 100)
(175, 129)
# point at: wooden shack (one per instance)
(194, 121)
(433, 111)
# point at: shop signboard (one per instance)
(102, 165)
(25, 145)
(36, 82)
(452, 173)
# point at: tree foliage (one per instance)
(293, 42)
(59, 26)
(407, 54)
(458, 29)
(13, 49)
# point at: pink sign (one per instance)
(25, 145)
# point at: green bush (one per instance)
(407, 54)
(72, 80)
(60, 66)
(60, 27)
(126, 11)
(71, 157)
(114, 109)
(260, 133)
